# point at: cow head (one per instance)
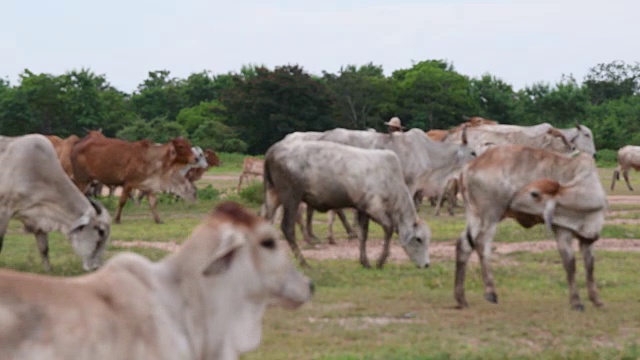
(582, 139)
(244, 268)
(415, 242)
(577, 207)
(89, 235)
(212, 157)
(179, 185)
(183, 153)
(201, 160)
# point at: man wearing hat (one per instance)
(394, 125)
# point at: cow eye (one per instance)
(473, 153)
(100, 232)
(535, 194)
(268, 244)
(419, 240)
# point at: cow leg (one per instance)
(331, 218)
(483, 248)
(288, 227)
(589, 263)
(463, 251)
(240, 181)
(363, 226)
(310, 236)
(43, 245)
(4, 222)
(153, 200)
(563, 239)
(124, 197)
(270, 205)
(616, 176)
(625, 174)
(388, 232)
(350, 232)
(301, 223)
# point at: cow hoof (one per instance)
(462, 306)
(491, 297)
(365, 265)
(578, 307)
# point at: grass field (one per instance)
(402, 312)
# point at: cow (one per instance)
(328, 175)
(532, 186)
(542, 136)
(63, 151)
(35, 189)
(251, 168)
(441, 135)
(206, 159)
(418, 154)
(628, 158)
(204, 301)
(139, 165)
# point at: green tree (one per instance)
(191, 118)
(432, 95)
(159, 96)
(267, 106)
(495, 98)
(361, 95)
(614, 80)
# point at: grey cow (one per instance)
(531, 186)
(328, 176)
(35, 189)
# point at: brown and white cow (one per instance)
(35, 190)
(328, 175)
(205, 301)
(441, 135)
(532, 186)
(139, 165)
(251, 168)
(628, 158)
(194, 174)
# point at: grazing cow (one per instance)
(251, 168)
(327, 175)
(205, 301)
(44, 199)
(63, 150)
(418, 154)
(532, 186)
(628, 158)
(133, 165)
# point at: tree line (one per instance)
(249, 110)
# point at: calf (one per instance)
(628, 158)
(251, 168)
(35, 190)
(205, 301)
(531, 186)
(329, 175)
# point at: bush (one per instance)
(253, 194)
(208, 193)
(606, 158)
(234, 146)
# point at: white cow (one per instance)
(35, 189)
(531, 186)
(205, 301)
(628, 158)
(327, 175)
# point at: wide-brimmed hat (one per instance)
(395, 122)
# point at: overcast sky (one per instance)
(521, 42)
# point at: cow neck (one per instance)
(404, 215)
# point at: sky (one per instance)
(520, 42)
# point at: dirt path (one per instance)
(348, 250)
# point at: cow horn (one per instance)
(578, 125)
(96, 205)
(549, 209)
(464, 134)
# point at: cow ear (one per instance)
(222, 258)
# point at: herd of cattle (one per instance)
(207, 299)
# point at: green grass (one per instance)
(402, 312)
